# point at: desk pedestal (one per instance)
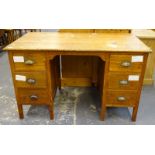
(37, 76)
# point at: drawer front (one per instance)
(121, 98)
(124, 63)
(27, 61)
(30, 79)
(119, 81)
(33, 96)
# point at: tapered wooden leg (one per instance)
(51, 112)
(20, 111)
(103, 110)
(102, 114)
(104, 85)
(134, 113)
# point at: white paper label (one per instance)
(18, 58)
(20, 78)
(133, 77)
(137, 59)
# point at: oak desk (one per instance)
(148, 37)
(34, 61)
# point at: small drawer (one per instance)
(121, 98)
(124, 63)
(30, 79)
(120, 81)
(29, 61)
(33, 96)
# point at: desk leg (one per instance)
(134, 113)
(104, 87)
(51, 112)
(103, 109)
(52, 79)
(20, 111)
(135, 109)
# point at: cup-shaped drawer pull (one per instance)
(29, 62)
(126, 64)
(121, 98)
(34, 97)
(123, 82)
(31, 81)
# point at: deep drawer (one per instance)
(33, 96)
(121, 98)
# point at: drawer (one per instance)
(30, 79)
(120, 81)
(29, 61)
(124, 63)
(121, 98)
(33, 96)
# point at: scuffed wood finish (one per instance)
(148, 37)
(63, 42)
(112, 30)
(51, 45)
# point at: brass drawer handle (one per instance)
(31, 81)
(34, 97)
(121, 98)
(126, 64)
(29, 62)
(123, 82)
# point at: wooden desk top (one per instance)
(97, 42)
(144, 34)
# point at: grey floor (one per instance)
(72, 106)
